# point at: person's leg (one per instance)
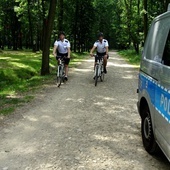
(95, 65)
(66, 70)
(105, 63)
(58, 62)
(95, 62)
(67, 60)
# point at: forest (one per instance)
(34, 24)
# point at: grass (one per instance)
(131, 56)
(20, 74)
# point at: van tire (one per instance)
(148, 139)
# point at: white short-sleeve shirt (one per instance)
(101, 46)
(62, 46)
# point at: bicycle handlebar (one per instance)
(62, 57)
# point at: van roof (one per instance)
(164, 15)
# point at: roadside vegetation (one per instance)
(131, 56)
(20, 74)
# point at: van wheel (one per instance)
(147, 132)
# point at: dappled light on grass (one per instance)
(21, 65)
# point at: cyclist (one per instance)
(62, 50)
(102, 49)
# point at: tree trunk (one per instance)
(14, 26)
(166, 4)
(47, 37)
(145, 19)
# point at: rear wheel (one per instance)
(148, 139)
(96, 76)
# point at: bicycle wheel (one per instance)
(102, 75)
(62, 74)
(96, 76)
(59, 78)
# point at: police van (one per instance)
(154, 87)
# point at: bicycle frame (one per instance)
(60, 72)
(98, 69)
(60, 65)
(99, 64)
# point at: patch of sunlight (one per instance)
(82, 70)
(35, 60)
(29, 128)
(8, 91)
(109, 98)
(124, 65)
(19, 65)
(13, 96)
(99, 103)
(25, 149)
(32, 119)
(105, 138)
(58, 124)
(91, 60)
(69, 99)
(80, 100)
(128, 77)
(5, 58)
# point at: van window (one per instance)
(166, 54)
(156, 40)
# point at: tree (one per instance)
(48, 26)
(125, 23)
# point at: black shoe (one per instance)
(66, 79)
(105, 71)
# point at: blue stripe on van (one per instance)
(159, 96)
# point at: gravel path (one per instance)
(80, 126)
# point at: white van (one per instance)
(154, 87)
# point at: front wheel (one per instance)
(102, 75)
(148, 139)
(96, 75)
(59, 77)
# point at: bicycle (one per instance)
(99, 69)
(60, 71)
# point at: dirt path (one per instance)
(79, 126)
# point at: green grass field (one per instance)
(131, 56)
(20, 74)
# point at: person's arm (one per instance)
(69, 52)
(107, 50)
(92, 50)
(68, 48)
(54, 50)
